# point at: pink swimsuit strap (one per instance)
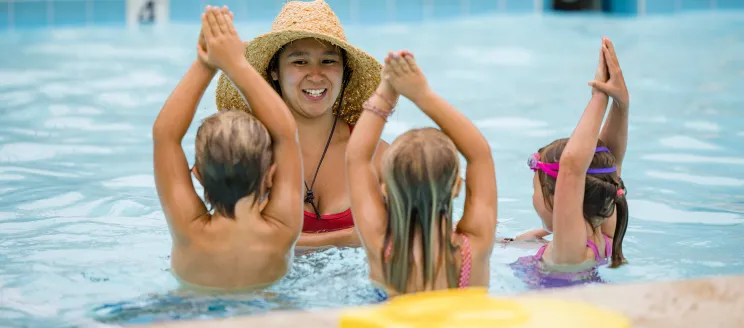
(593, 246)
(590, 244)
(467, 260)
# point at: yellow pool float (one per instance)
(473, 307)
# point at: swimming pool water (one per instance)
(83, 238)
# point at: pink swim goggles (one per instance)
(551, 169)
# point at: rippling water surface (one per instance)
(82, 235)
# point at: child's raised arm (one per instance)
(178, 198)
(569, 232)
(480, 213)
(615, 130)
(368, 207)
(226, 51)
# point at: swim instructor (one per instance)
(323, 80)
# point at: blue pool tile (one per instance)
(30, 14)
(265, 10)
(482, 7)
(660, 6)
(359, 11)
(109, 12)
(409, 11)
(342, 8)
(695, 4)
(239, 8)
(447, 8)
(520, 6)
(69, 13)
(373, 12)
(606, 6)
(624, 7)
(244, 10)
(729, 4)
(4, 10)
(189, 11)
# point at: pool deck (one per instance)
(716, 301)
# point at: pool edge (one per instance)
(702, 302)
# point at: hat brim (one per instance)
(364, 79)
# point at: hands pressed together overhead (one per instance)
(219, 44)
(402, 75)
(609, 77)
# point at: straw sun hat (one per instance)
(298, 20)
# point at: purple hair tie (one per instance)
(551, 169)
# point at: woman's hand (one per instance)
(404, 75)
(224, 49)
(614, 87)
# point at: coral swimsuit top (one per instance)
(328, 222)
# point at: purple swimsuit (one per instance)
(529, 270)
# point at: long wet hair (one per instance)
(419, 170)
(233, 153)
(600, 194)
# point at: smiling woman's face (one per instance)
(310, 76)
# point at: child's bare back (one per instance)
(248, 250)
(249, 166)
